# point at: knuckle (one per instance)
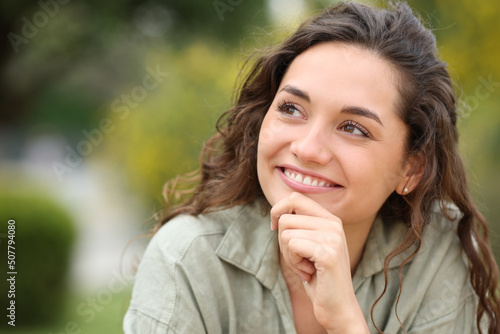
(336, 221)
(295, 196)
(326, 254)
(336, 227)
(283, 220)
(275, 212)
(333, 239)
(292, 243)
(286, 236)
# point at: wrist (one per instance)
(352, 322)
(352, 329)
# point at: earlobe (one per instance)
(414, 171)
(407, 185)
(404, 187)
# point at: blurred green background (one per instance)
(103, 101)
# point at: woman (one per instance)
(331, 200)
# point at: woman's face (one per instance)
(332, 133)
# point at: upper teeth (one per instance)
(306, 179)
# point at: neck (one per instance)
(356, 235)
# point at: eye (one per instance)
(289, 109)
(354, 128)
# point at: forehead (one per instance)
(340, 74)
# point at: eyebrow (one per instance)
(360, 111)
(296, 91)
(353, 110)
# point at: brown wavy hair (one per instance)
(427, 104)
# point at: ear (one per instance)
(413, 171)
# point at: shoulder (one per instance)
(179, 271)
(441, 246)
(441, 268)
(439, 241)
(178, 236)
(436, 295)
(441, 254)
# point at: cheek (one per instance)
(273, 138)
(271, 130)
(374, 172)
(264, 147)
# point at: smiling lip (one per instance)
(306, 182)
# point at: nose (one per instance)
(312, 146)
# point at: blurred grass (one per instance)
(108, 320)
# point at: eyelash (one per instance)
(284, 104)
(358, 126)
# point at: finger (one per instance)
(304, 275)
(297, 203)
(320, 238)
(317, 253)
(297, 262)
(311, 223)
(297, 250)
(302, 267)
(306, 266)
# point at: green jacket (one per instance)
(219, 273)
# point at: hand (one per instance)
(314, 246)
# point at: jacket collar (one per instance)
(250, 245)
(385, 235)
